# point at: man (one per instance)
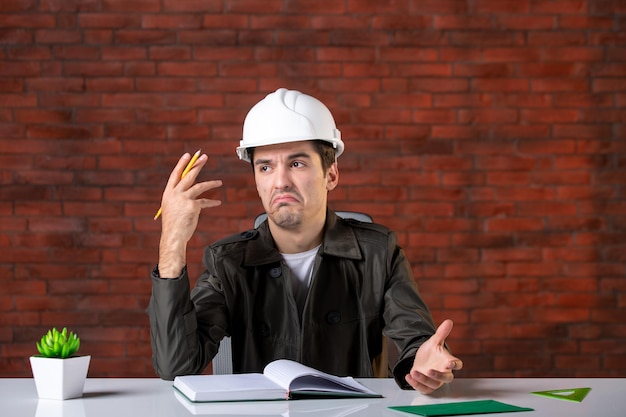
(306, 285)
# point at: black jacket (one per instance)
(362, 287)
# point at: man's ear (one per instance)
(332, 177)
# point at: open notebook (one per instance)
(281, 380)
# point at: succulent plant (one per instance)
(55, 344)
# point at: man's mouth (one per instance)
(284, 199)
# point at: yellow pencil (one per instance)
(194, 158)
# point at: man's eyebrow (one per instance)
(290, 157)
(300, 155)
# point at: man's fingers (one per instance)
(440, 377)
(194, 170)
(423, 383)
(443, 331)
(205, 203)
(202, 187)
(456, 365)
(174, 177)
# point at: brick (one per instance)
(172, 22)
(490, 116)
(584, 22)
(108, 20)
(434, 85)
(27, 21)
(17, 36)
(505, 7)
(428, 240)
(446, 22)
(43, 116)
(460, 54)
(446, 163)
(434, 116)
(501, 84)
(186, 69)
(169, 117)
(615, 53)
(559, 6)
(382, 116)
(484, 147)
(354, 38)
(485, 269)
(580, 131)
(450, 225)
(601, 85)
(462, 100)
(552, 116)
(560, 178)
(577, 53)
(44, 36)
(538, 208)
(486, 38)
(78, 53)
(514, 225)
(556, 38)
(104, 116)
(585, 193)
(346, 21)
(423, 70)
(484, 70)
(576, 223)
(382, 193)
(558, 85)
(204, 6)
(577, 361)
(400, 22)
(20, 69)
(505, 163)
(523, 22)
(11, 86)
(268, 22)
(170, 53)
(439, 7)
(68, 100)
(507, 178)
(313, 70)
(401, 179)
(513, 54)
(552, 147)
(18, 6)
(60, 132)
(607, 38)
(54, 84)
(545, 70)
(145, 36)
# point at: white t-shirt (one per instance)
(301, 265)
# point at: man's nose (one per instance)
(282, 178)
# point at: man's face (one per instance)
(292, 184)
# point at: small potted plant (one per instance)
(58, 372)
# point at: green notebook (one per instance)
(460, 408)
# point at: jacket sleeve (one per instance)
(180, 345)
(408, 321)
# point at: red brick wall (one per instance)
(489, 134)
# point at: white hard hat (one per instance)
(288, 116)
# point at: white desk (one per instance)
(152, 397)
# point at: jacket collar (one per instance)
(339, 241)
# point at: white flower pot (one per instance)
(60, 379)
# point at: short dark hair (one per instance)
(324, 149)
